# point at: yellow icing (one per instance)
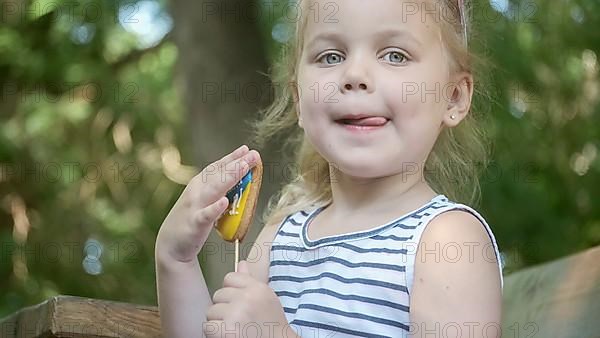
(229, 222)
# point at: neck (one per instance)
(381, 195)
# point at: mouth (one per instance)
(363, 120)
(363, 124)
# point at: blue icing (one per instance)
(240, 185)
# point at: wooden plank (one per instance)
(32, 321)
(556, 299)
(74, 317)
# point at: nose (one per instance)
(349, 86)
(357, 77)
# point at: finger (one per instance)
(210, 214)
(213, 167)
(217, 311)
(237, 280)
(226, 177)
(234, 155)
(224, 295)
(213, 328)
(243, 267)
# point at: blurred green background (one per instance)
(108, 108)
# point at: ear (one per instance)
(459, 98)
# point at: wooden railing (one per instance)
(75, 317)
(556, 299)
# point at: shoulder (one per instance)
(455, 275)
(457, 225)
(461, 240)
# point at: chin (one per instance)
(358, 167)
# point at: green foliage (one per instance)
(540, 193)
(83, 133)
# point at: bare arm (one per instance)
(456, 284)
(183, 297)
(182, 291)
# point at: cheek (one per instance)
(317, 99)
(414, 116)
(319, 85)
(409, 100)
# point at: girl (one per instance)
(368, 240)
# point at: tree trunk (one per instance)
(220, 57)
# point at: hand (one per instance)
(244, 305)
(187, 226)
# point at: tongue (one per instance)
(367, 121)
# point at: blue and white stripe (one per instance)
(355, 284)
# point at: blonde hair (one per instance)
(452, 168)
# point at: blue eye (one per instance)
(398, 55)
(329, 54)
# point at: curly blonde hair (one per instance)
(453, 167)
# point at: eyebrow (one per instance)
(381, 35)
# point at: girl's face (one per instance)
(380, 58)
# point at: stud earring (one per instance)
(452, 116)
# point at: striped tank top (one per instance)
(355, 284)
